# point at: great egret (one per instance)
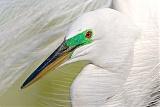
(122, 55)
(106, 38)
(37, 18)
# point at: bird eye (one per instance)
(88, 34)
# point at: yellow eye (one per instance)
(88, 34)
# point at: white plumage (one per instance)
(124, 69)
(114, 80)
(26, 28)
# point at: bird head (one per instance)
(104, 37)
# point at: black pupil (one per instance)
(88, 35)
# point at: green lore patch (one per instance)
(80, 39)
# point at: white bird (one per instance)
(118, 55)
(123, 50)
(28, 22)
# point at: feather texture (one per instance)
(31, 29)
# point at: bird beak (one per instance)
(59, 56)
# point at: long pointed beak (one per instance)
(60, 55)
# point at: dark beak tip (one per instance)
(21, 88)
(59, 55)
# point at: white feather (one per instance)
(28, 29)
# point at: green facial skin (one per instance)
(80, 39)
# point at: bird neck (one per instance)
(94, 86)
